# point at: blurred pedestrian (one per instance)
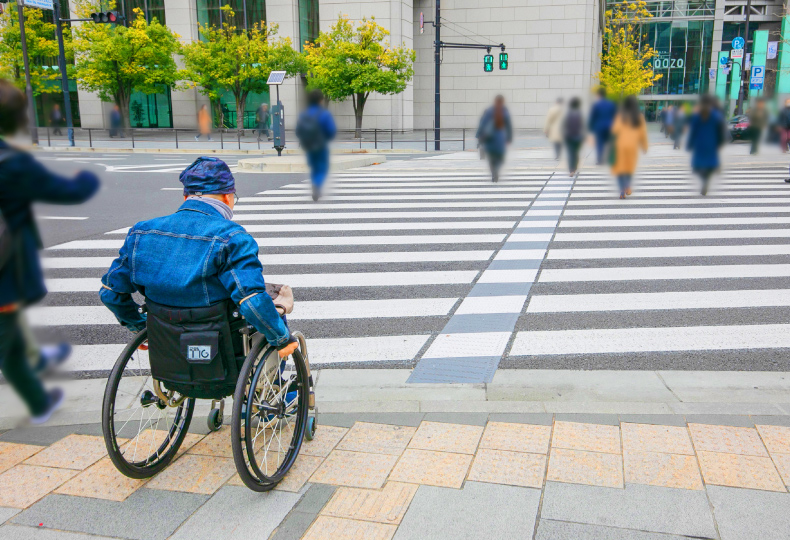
(116, 121)
(678, 126)
(706, 136)
(784, 125)
(662, 115)
(494, 133)
(552, 127)
(669, 120)
(758, 119)
(314, 129)
(264, 119)
(55, 119)
(24, 181)
(629, 134)
(573, 133)
(204, 123)
(601, 120)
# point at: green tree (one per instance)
(625, 61)
(227, 58)
(114, 60)
(355, 62)
(42, 49)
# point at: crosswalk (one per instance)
(393, 267)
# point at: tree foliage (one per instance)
(42, 49)
(625, 61)
(349, 61)
(239, 61)
(115, 60)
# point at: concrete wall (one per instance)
(181, 17)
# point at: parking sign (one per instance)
(757, 78)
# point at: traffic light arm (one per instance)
(447, 45)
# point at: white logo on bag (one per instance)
(198, 352)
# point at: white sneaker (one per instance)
(56, 399)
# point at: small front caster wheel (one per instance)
(214, 420)
(309, 432)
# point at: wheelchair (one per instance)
(207, 353)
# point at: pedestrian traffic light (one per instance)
(108, 17)
(503, 60)
(488, 63)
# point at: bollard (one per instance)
(426, 140)
(132, 131)
(49, 141)
(375, 138)
(221, 140)
(392, 142)
(238, 138)
(463, 144)
(90, 139)
(176, 132)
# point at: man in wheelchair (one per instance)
(195, 258)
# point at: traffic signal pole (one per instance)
(64, 78)
(31, 108)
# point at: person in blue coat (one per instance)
(23, 182)
(494, 133)
(314, 129)
(600, 123)
(706, 135)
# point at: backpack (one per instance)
(574, 125)
(310, 132)
(7, 244)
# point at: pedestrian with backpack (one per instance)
(24, 181)
(494, 133)
(314, 129)
(573, 133)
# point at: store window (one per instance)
(683, 50)
(225, 110)
(152, 9)
(246, 12)
(309, 22)
(151, 110)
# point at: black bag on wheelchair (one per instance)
(193, 350)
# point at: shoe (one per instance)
(56, 398)
(704, 191)
(622, 195)
(628, 191)
(210, 139)
(787, 180)
(316, 194)
(197, 137)
(52, 356)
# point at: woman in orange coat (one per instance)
(204, 122)
(630, 134)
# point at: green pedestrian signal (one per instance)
(488, 63)
(503, 60)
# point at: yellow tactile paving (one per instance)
(216, 444)
(387, 505)
(194, 474)
(326, 438)
(776, 438)
(354, 469)
(588, 437)
(149, 440)
(101, 481)
(650, 438)
(511, 468)
(782, 462)
(301, 471)
(516, 437)
(73, 452)
(23, 485)
(727, 439)
(442, 469)
(442, 437)
(377, 438)
(733, 470)
(658, 469)
(331, 528)
(13, 454)
(580, 467)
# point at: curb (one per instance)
(268, 152)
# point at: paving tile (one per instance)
(237, 513)
(580, 467)
(560, 530)
(677, 420)
(149, 439)
(46, 435)
(297, 477)
(293, 526)
(101, 481)
(657, 469)
(727, 439)
(331, 528)
(646, 508)
(442, 469)
(377, 438)
(470, 419)
(315, 498)
(735, 470)
(326, 438)
(354, 469)
(763, 421)
(744, 514)
(782, 462)
(650, 438)
(387, 505)
(589, 437)
(7, 513)
(541, 419)
(194, 474)
(775, 438)
(23, 485)
(13, 454)
(510, 468)
(589, 418)
(734, 420)
(147, 514)
(20, 532)
(479, 511)
(73, 452)
(217, 444)
(349, 419)
(443, 437)
(516, 437)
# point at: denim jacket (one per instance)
(192, 258)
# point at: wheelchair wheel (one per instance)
(141, 431)
(270, 408)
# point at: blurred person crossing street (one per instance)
(601, 119)
(264, 120)
(314, 129)
(552, 128)
(56, 119)
(494, 133)
(629, 134)
(706, 135)
(678, 126)
(758, 119)
(573, 133)
(204, 123)
(783, 126)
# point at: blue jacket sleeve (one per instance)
(328, 123)
(241, 274)
(692, 134)
(36, 183)
(117, 289)
(593, 117)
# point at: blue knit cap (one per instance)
(208, 175)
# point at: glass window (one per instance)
(151, 9)
(249, 11)
(227, 107)
(151, 110)
(309, 22)
(683, 50)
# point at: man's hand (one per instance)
(288, 349)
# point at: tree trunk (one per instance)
(241, 101)
(122, 99)
(359, 108)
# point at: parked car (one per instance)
(739, 127)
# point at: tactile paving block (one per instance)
(470, 370)
(354, 469)
(589, 437)
(516, 437)
(387, 505)
(194, 474)
(465, 345)
(776, 438)
(782, 462)
(510, 468)
(326, 438)
(23, 485)
(12, 454)
(377, 438)
(590, 468)
(656, 438)
(734, 470)
(443, 437)
(727, 439)
(73, 452)
(441, 469)
(215, 444)
(101, 481)
(331, 528)
(666, 470)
